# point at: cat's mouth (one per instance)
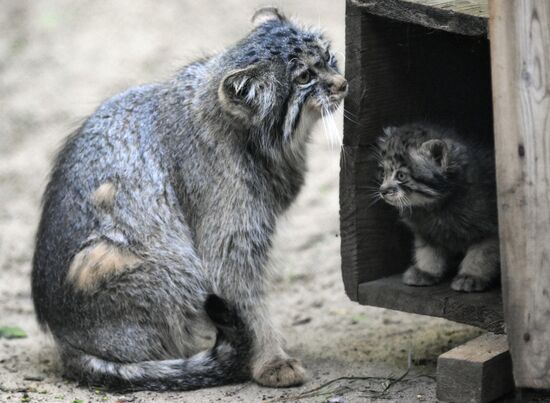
(397, 199)
(394, 200)
(327, 104)
(334, 101)
(405, 200)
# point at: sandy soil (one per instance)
(58, 60)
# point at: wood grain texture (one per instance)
(520, 47)
(348, 195)
(479, 309)
(465, 17)
(477, 371)
(476, 8)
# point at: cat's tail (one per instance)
(226, 362)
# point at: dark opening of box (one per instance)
(401, 73)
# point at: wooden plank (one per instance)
(479, 309)
(465, 17)
(520, 47)
(478, 371)
(348, 204)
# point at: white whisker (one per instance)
(346, 116)
(334, 136)
(325, 131)
(374, 201)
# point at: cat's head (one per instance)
(279, 76)
(414, 166)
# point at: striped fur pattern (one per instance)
(169, 193)
(230, 355)
(444, 188)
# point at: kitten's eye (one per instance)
(304, 77)
(401, 176)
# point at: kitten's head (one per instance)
(414, 166)
(279, 76)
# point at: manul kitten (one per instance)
(444, 188)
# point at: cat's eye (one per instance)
(304, 77)
(401, 176)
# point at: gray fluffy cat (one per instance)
(169, 193)
(444, 188)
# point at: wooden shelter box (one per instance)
(408, 62)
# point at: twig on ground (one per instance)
(317, 391)
(378, 394)
(394, 381)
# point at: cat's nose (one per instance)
(339, 85)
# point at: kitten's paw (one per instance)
(469, 283)
(416, 277)
(281, 372)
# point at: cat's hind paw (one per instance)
(469, 283)
(418, 278)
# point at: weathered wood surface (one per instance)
(520, 47)
(466, 17)
(348, 194)
(479, 309)
(478, 371)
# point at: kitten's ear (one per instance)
(266, 14)
(437, 150)
(389, 130)
(247, 93)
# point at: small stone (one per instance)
(34, 377)
(301, 321)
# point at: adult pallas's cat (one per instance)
(171, 192)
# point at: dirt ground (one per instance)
(58, 60)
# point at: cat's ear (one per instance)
(266, 14)
(247, 93)
(436, 150)
(388, 131)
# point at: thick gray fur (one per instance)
(444, 188)
(170, 192)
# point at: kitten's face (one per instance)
(287, 72)
(412, 169)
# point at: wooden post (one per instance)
(479, 371)
(520, 50)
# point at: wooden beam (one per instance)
(520, 50)
(478, 371)
(465, 17)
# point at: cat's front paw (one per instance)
(416, 277)
(280, 372)
(469, 283)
